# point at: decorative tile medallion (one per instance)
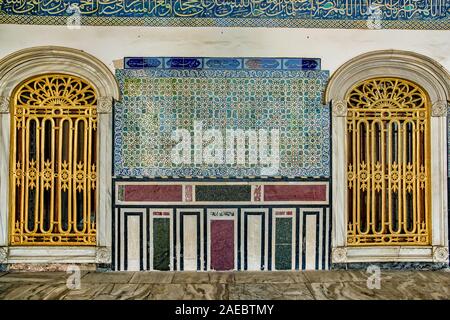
(371, 14)
(272, 109)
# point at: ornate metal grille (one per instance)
(388, 164)
(54, 162)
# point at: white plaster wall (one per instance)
(334, 46)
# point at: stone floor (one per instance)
(227, 285)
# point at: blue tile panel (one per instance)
(223, 63)
(418, 14)
(156, 103)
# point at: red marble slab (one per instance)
(295, 192)
(222, 244)
(153, 193)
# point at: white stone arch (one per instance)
(435, 79)
(27, 63)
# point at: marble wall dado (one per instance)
(215, 225)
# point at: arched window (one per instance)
(389, 158)
(388, 163)
(53, 168)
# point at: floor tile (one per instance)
(35, 277)
(389, 290)
(46, 291)
(5, 287)
(270, 291)
(167, 292)
(127, 292)
(89, 291)
(427, 276)
(267, 277)
(107, 277)
(335, 275)
(342, 291)
(152, 277)
(190, 277)
(337, 284)
(205, 292)
(221, 277)
(414, 289)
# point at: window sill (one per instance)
(70, 254)
(390, 254)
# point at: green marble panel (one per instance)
(161, 244)
(283, 243)
(223, 193)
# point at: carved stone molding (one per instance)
(339, 108)
(439, 109)
(440, 254)
(422, 70)
(30, 62)
(339, 255)
(104, 105)
(4, 104)
(3, 254)
(103, 255)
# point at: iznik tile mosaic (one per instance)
(419, 14)
(182, 122)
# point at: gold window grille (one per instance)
(388, 164)
(53, 196)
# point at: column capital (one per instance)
(104, 104)
(4, 104)
(339, 108)
(439, 108)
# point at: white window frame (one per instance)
(25, 64)
(436, 81)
